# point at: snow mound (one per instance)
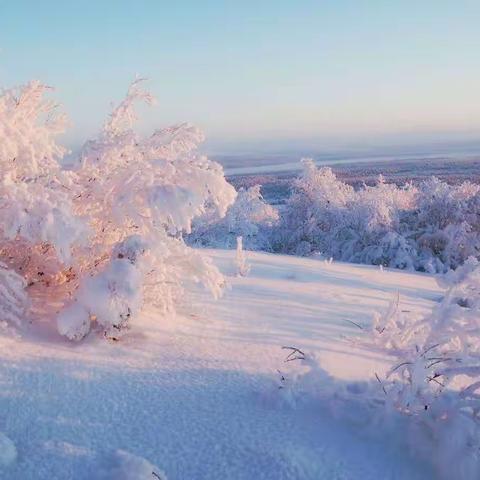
(8, 451)
(123, 465)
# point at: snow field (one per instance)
(197, 394)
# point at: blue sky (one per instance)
(249, 72)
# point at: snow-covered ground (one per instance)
(197, 396)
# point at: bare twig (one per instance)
(436, 361)
(398, 366)
(295, 354)
(381, 383)
(433, 379)
(356, 324)
(430, 348)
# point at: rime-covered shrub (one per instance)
(249, 217)
(435, 377)
(98, 241)
(444, 224)
(38, 226)
(35, 199)
(431, 227)
(315, 207)
(429, 398)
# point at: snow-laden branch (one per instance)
(102, 239)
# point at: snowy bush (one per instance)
(312, 211)
(429, 399)
(430, 227)
(98, 241)
(38, 226)
(444, 224)
(435, 379)
(249, 217)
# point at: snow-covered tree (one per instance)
(444, 224)
(313, 210)
(431, 227)
(38, 226)
(249, 217)
(103, 238)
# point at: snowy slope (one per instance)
(196, 394)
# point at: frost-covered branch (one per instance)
(100, 240)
